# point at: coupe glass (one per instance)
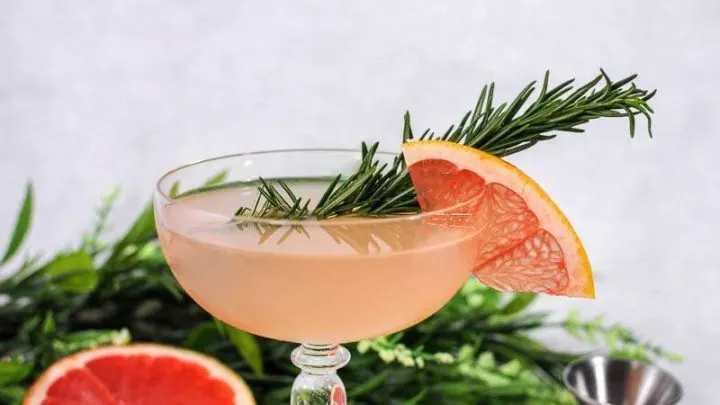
(319, 283)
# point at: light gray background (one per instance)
(94, 94)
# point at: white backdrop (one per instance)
(94, 94)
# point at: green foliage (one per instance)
(619, 340)
(247, 347)
(73, 272)
(13, 371)
(12, 394)
(476, 350)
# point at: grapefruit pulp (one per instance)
(138, 374)
(525, 242)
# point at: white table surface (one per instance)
(94, 94)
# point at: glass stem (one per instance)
(318, 382)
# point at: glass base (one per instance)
(318, 382)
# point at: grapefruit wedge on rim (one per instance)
(525, 242)
(138, 374)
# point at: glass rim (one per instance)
(309, 221)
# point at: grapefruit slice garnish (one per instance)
(139, 374)
(525, 242)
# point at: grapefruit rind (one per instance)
(495, 170)
(38, 391)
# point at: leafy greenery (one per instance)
(378, 188)
(478, 349)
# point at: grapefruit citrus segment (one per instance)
(504, 219)
(525, 243)
(141, 374)
(434, 177)
(534, 265)
(81, 386)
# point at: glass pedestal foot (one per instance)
(318, 382)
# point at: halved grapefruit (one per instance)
(139, 374)
(526, 243)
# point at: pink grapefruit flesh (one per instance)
(525, 242)
(139, 374)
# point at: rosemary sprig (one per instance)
(503, 130)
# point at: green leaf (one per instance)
(141, 231)
(13, 371)
(492, 300)
(370, 384)
(523, 342)
(27, 330)
(73, 272)
(49, 324)
(248, 348)
(12, 395)
(151, 253)
(90, 339)
(407, 128)
(631, 353)
(171, 285)
(92, 240)
(99, 337)
(673, 357)
(519, 302)
(22, 225)
(417, 398)
(220, 326)
(202, 336)
(486, 360)
(465, 353)
(573, 317)
(475, 391)
(217, 179)
(511, 368)
(174, 189)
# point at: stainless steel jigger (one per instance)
(600, 380)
